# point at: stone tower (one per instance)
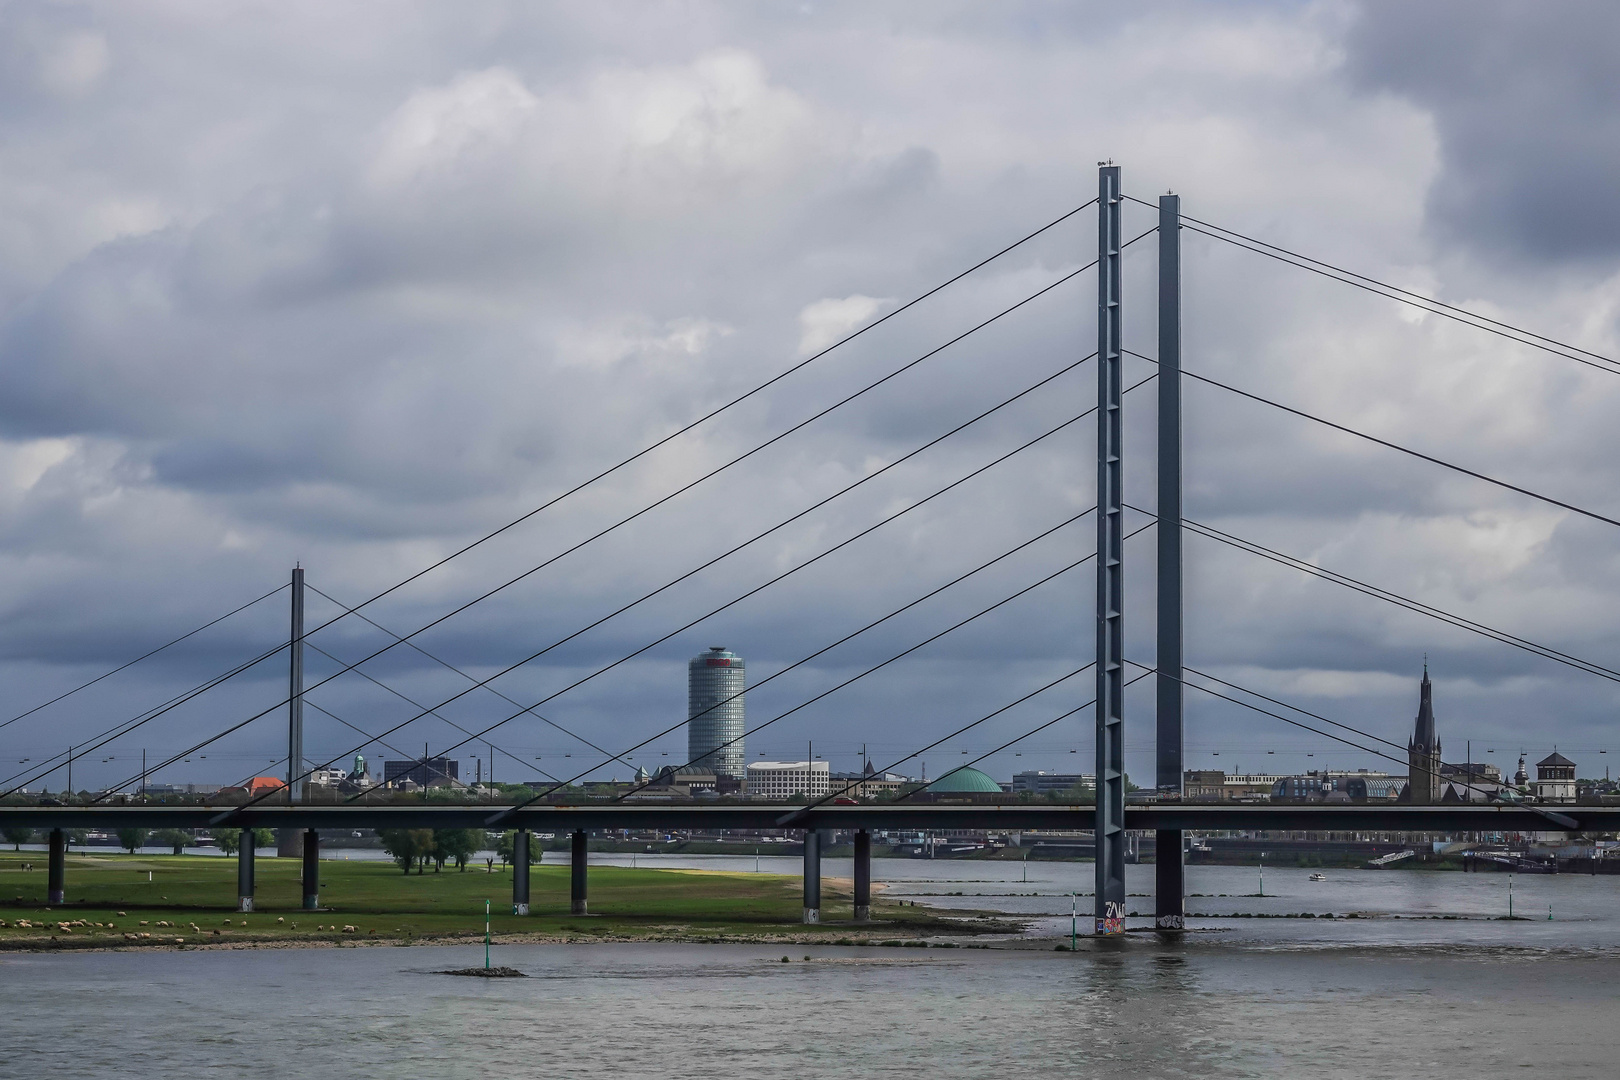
(1423, 751)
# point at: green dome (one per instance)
(966, 779)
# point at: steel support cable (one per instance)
(1295, 708)
(759, 588)
(1571, 507)
(1461, 622)
(946, 738)
(1014, 742)
(1559, 819)
(799, 815)
(968, 727)
(739, 599)
(458, 671)
(503, 815)
(644, 451)
(414, 704)
(391, 746)
(1290, 720)
(124, 727)
(789, 820)
(355, 727)
(762, 535)
(1394, 292)
(143, 656)
(262, 769)
(142, 777)
(684, 488)
(1568, 355)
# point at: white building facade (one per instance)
(785, 779)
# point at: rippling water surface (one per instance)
(1375, 997)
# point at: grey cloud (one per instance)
(1522, 97)
(378, 299)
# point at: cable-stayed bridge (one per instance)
(1109, 670)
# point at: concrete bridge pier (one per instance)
(812, 876)
(520, 873)
(244, 872)
(863, 875)
(576, 876)
(56, 873)
(312, 870)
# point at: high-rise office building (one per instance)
(714, 712)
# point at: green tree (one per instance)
(130, 839)
(173, 838)
(454, 844)
(398, 843)
(408, 846)
(423, 840)
(230, 840)
(506, 848)
(18, 837)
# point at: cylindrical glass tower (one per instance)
(714, 712)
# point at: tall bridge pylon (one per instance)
(1109, 892)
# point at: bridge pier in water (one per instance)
(520, 873)
(56, 870)
(576, 875)
(812, 876)
(244, 872)
(863, 875)
(312, 870)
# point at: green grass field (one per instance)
(197, 894)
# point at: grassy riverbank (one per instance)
(110, 897)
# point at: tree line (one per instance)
(409, 847)
(419, 847)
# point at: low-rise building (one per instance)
(1040, 782)
(785, 779)
(424, 772)
(870, 783)
(1203, 785)
(684, 781)
(1470, 771)
(1240, 787)
(1555, 779)
(326, 777)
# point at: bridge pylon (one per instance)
(1109, 821)
(1169, 874)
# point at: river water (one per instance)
(1402, 991)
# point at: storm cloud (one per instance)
(350, 287)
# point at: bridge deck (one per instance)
(1011, 817)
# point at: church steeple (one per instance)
(1423, 733)
(1423, 751)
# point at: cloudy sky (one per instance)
(349, 286)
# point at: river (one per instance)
(1401, 991)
